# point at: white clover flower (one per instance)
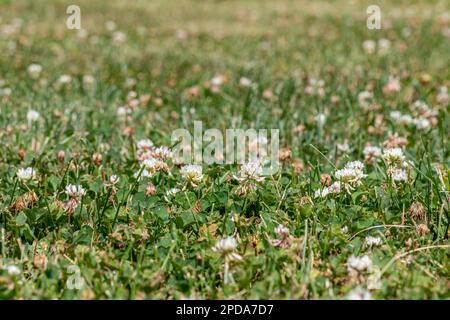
(392, 86)
(153, 165)
(13, 270)
(144, 144)
(134, 103)
(33, 115)
(251, 171)
(344, 229)
(364, 98)
(284, 240)
(334, 188)
(420, 105)
(369, 46)
(192, 173)
(123, 111)
(162, 152)
(281, 230)
(245, 82)
(144, 174)
(395, 115)
(343, 147)
(405, 119)
(110, 25)
(119, 37)
(393, 156)
(75, 191)
(26, 174)
(321, 118)
(34, 70)
(88, 79)
(372, 151)
(370, 241)
(356, 265)
(351, 175)
(374, 279)
(318, 83)
(226, 247)
(218, 80)
(359, 294)
(321, 193)
(400, 118)
(422, 123)
(398, 175)
(383, 46)
(64, 79)
(355, 165)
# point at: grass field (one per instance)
(93, 206)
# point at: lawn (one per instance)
(94, 203)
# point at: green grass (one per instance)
(128, 243)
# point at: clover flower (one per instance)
(226, 248)
(75, 191)
(251, 171)
(162, 153)
(285, 239)
(334, 188)
(12, 270)
(144, 144)
(394, 157)
(397, 174)
(371, 153)
(64, 79)
(370, 241)
(142, 173)
(351, 176)
(34, 70)
(364, 98)
(356, 265)
(315, 87)
(383, 46)
(443, 96)
(153, 165)
(422, 123)
(392, 86)
(369, 46)
(245, 82)
(218, 80)
(32, 115)
(122, 111)
(321, 118)
(88, 80)
(26, 174)
(355, 165)
(359, 294)
(192, 174)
